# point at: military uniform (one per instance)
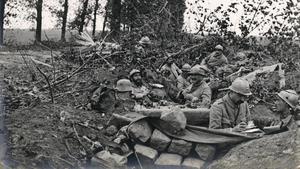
(182, 83)
(174, 71)
(201, 90)
(139, 92)
(107, 101)
(225, 114)
(215, 60)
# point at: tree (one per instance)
(64, 21)
(153, 18)
(61, 13)
(38, 32)
(2, 7)
(83, 15)
(265, 17)
(95, 16)
(115, 17)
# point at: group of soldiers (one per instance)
(231, 112)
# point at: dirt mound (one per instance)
(45, 135)
(270, 152)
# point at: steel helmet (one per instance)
(145, 40)
(198, 70)
(134, 71)
(240, 86)
(186, 67)
(290, 97)
(219, 47)
(124, 85)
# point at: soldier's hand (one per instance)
(240, 127)
(195, 99)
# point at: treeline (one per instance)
(162, 19)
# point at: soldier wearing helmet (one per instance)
(182, 81)
(170, 70)
(116, 100)
(198, 92)
(123, 96)
(285, 105)
(232, 111)
(216, 59)
(139, 91)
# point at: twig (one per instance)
(52, 59)
(68, 162)
(180, 53)
(138, 159)
(70, 154)
(27, 65)
(79, 68)
(166, 3)
(71, 74)
(90, 127)
(79, 140)
(254, 15)
(47, 80)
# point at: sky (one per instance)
(49, 21)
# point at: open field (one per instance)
(17, 37)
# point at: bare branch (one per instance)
(47, 80)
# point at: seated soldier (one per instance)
(232, 111)
(198, 92)
(139, 91)
(216, 59)
(182, 81)
(285, 106)
(115, 100)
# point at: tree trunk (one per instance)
(105, 17)
(2, 7)
(115, 19)
(64, 21)
(95, 16)
(39, 9)
(83, 14)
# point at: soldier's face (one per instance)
(238, 98)
(280, 105)
(137, 79)
(196, 78)
(185, 73)
(124, 95)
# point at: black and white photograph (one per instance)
(149, 84)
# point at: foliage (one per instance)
(58, 12)
(75, 24)
(268, 18)
(152, 18)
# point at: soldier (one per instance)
(170, 70)
(285, 106)
(198, 92)
(216, 59)
(232, 111)
(114, 100)
(139, 91)
(182, 81)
